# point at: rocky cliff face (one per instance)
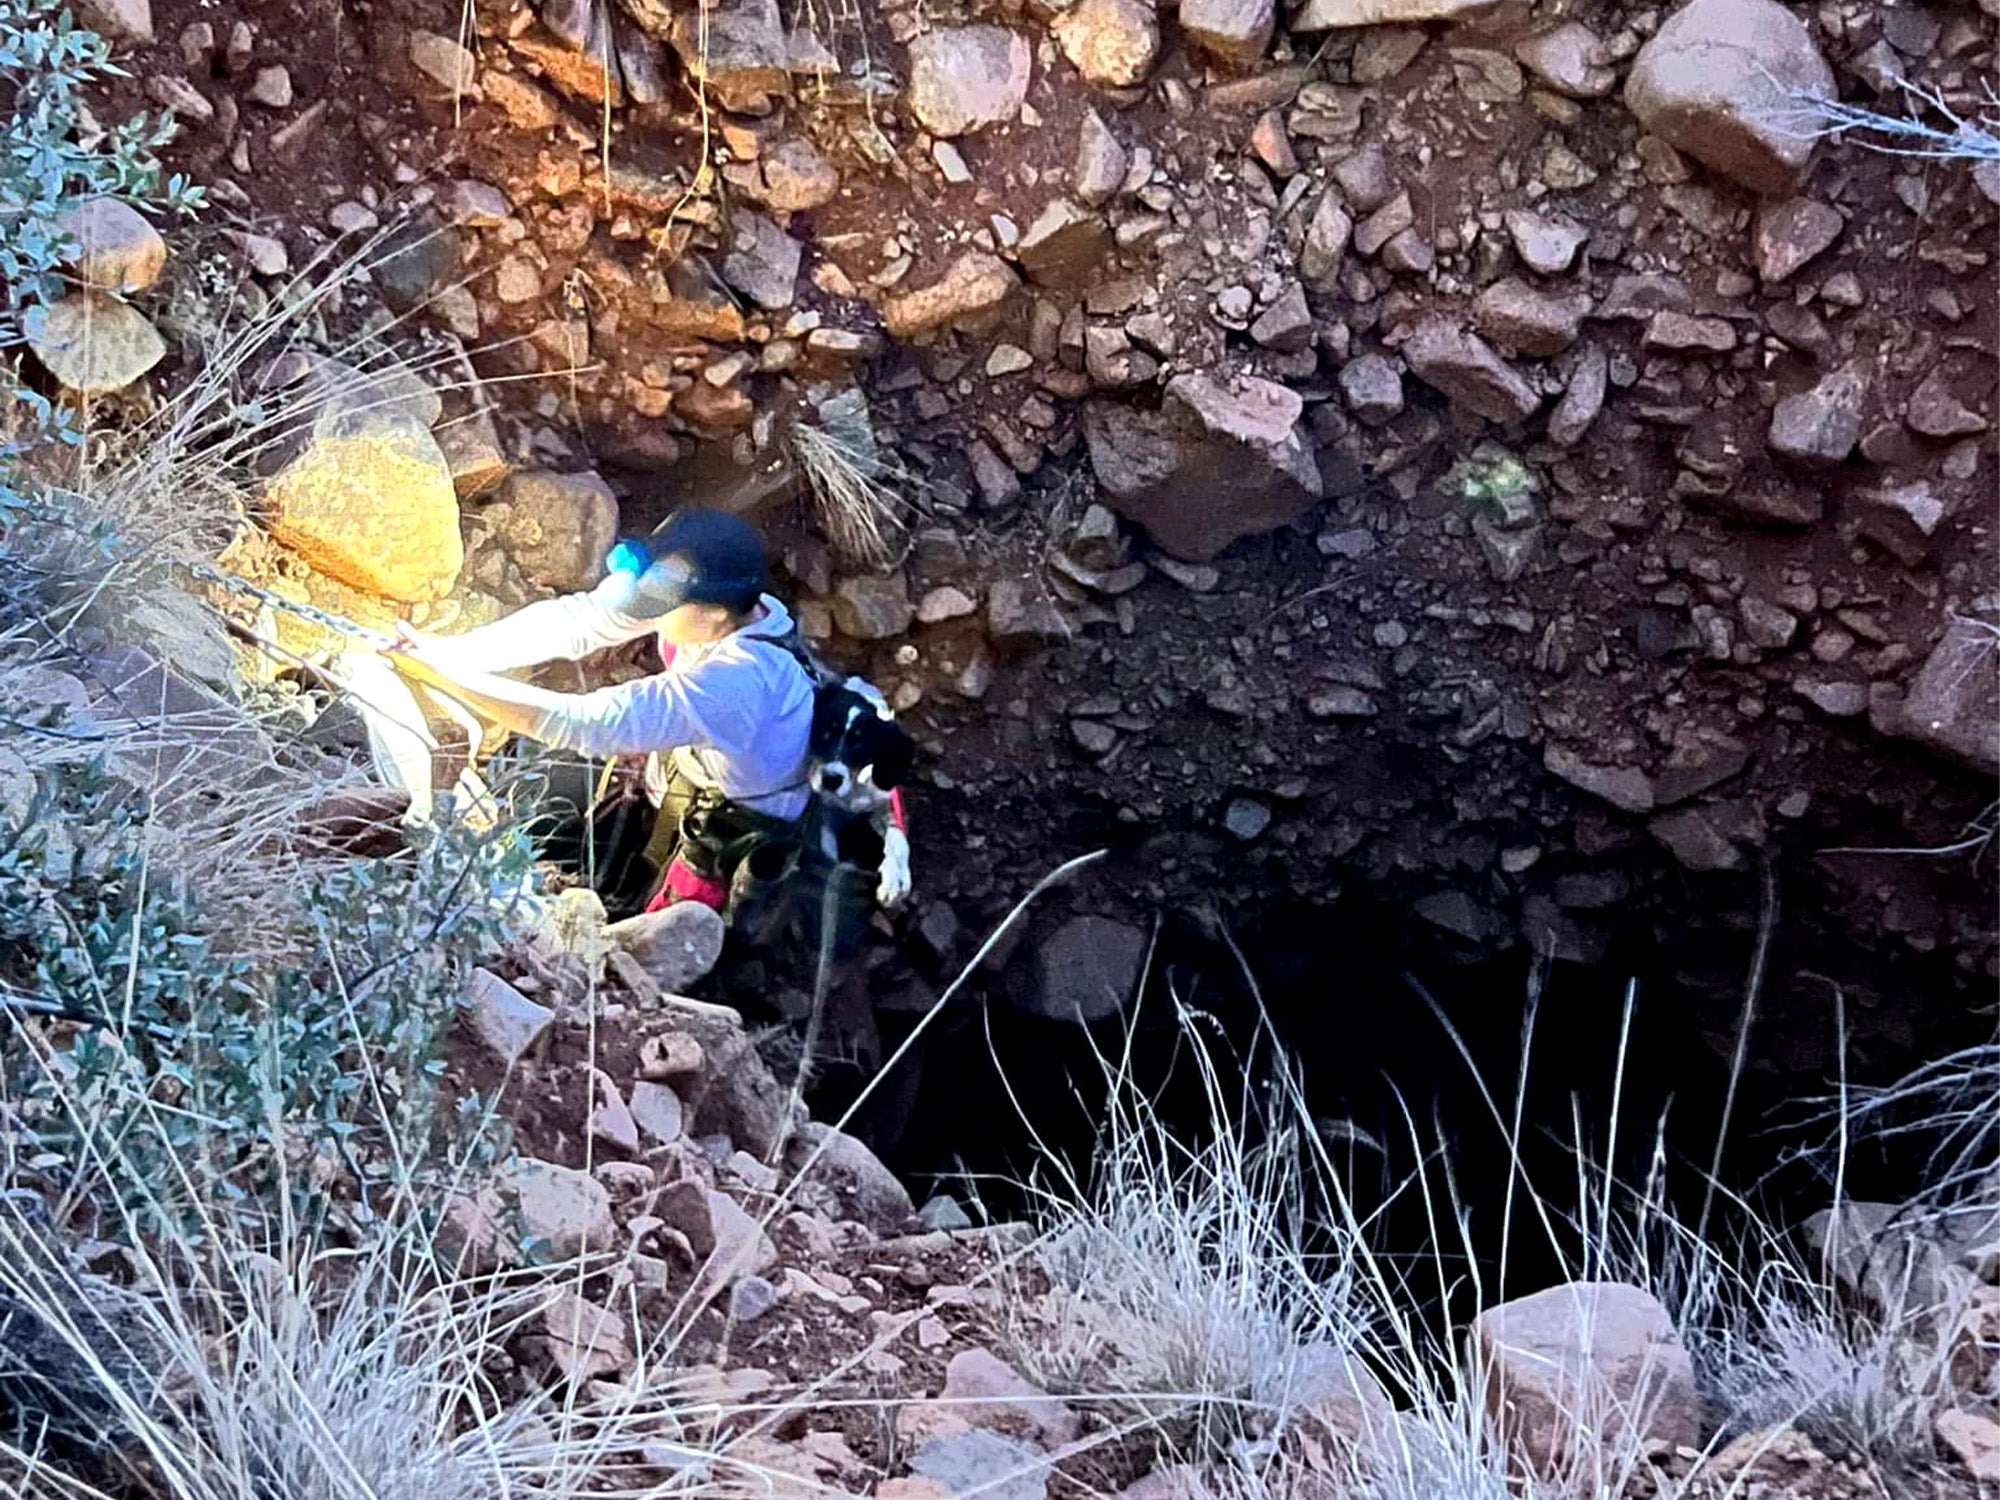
(1485, 454)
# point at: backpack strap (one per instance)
(792, 643)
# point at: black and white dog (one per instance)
(860, 757)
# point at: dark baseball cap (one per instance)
(693, 557)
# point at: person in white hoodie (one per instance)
(724, 726)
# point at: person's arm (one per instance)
(566, 628)
(660, 712)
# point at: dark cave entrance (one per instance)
(1358, 1001)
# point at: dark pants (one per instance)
(614, 838)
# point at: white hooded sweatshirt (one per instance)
(736, 714)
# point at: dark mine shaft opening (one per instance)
(1358, 1007)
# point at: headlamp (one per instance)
(628, 559)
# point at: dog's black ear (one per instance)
(895, 754)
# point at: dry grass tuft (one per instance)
(855, 490)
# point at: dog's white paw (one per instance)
(892, 889)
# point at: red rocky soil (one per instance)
(1717, 603)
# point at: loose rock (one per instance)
(1545, 245)
(1818, 428)
(1570, 59)
(1529, 320)
(1233, 32)
(1287, 324)
(1726, 82)
(763, 261)
(1935, 410)
(794, 176)
(1113, 43)
(1583, 397)
(92, 343)
(506, 1022)
(739, 48)
(1572, 1371)
(1217, 462)
(1792, 232)
(965, 78)
(1624, 787)
(568, 1211)
(1973, 1438)
(1953, 705)
(1372, 386)
(558, 528)
(981, 1463)
(975, 284)
(873, 606)
(1899, 518)
(858, 1186)
(1464, 367)
(112, 247)
(1100, 161)
(656, 1110)
(119, 20)
(585, 1341)
(677, 946)
(1065, 245)
(1327, 238)
(1692, 838)
(1326, 15)
(1085, 971)
(415, 261)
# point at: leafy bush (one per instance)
(187, 1058)
(54, 153)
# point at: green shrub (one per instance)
(186, 1062)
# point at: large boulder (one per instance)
(1581, 1372)
(1953, 705)
(1217, 462)
(111, 246)
(557, 528)
(965, 78)
(677, 945)
(1733, 84)
(367, 497)
(1085, 971)
(91, 343)
(845, 1180)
